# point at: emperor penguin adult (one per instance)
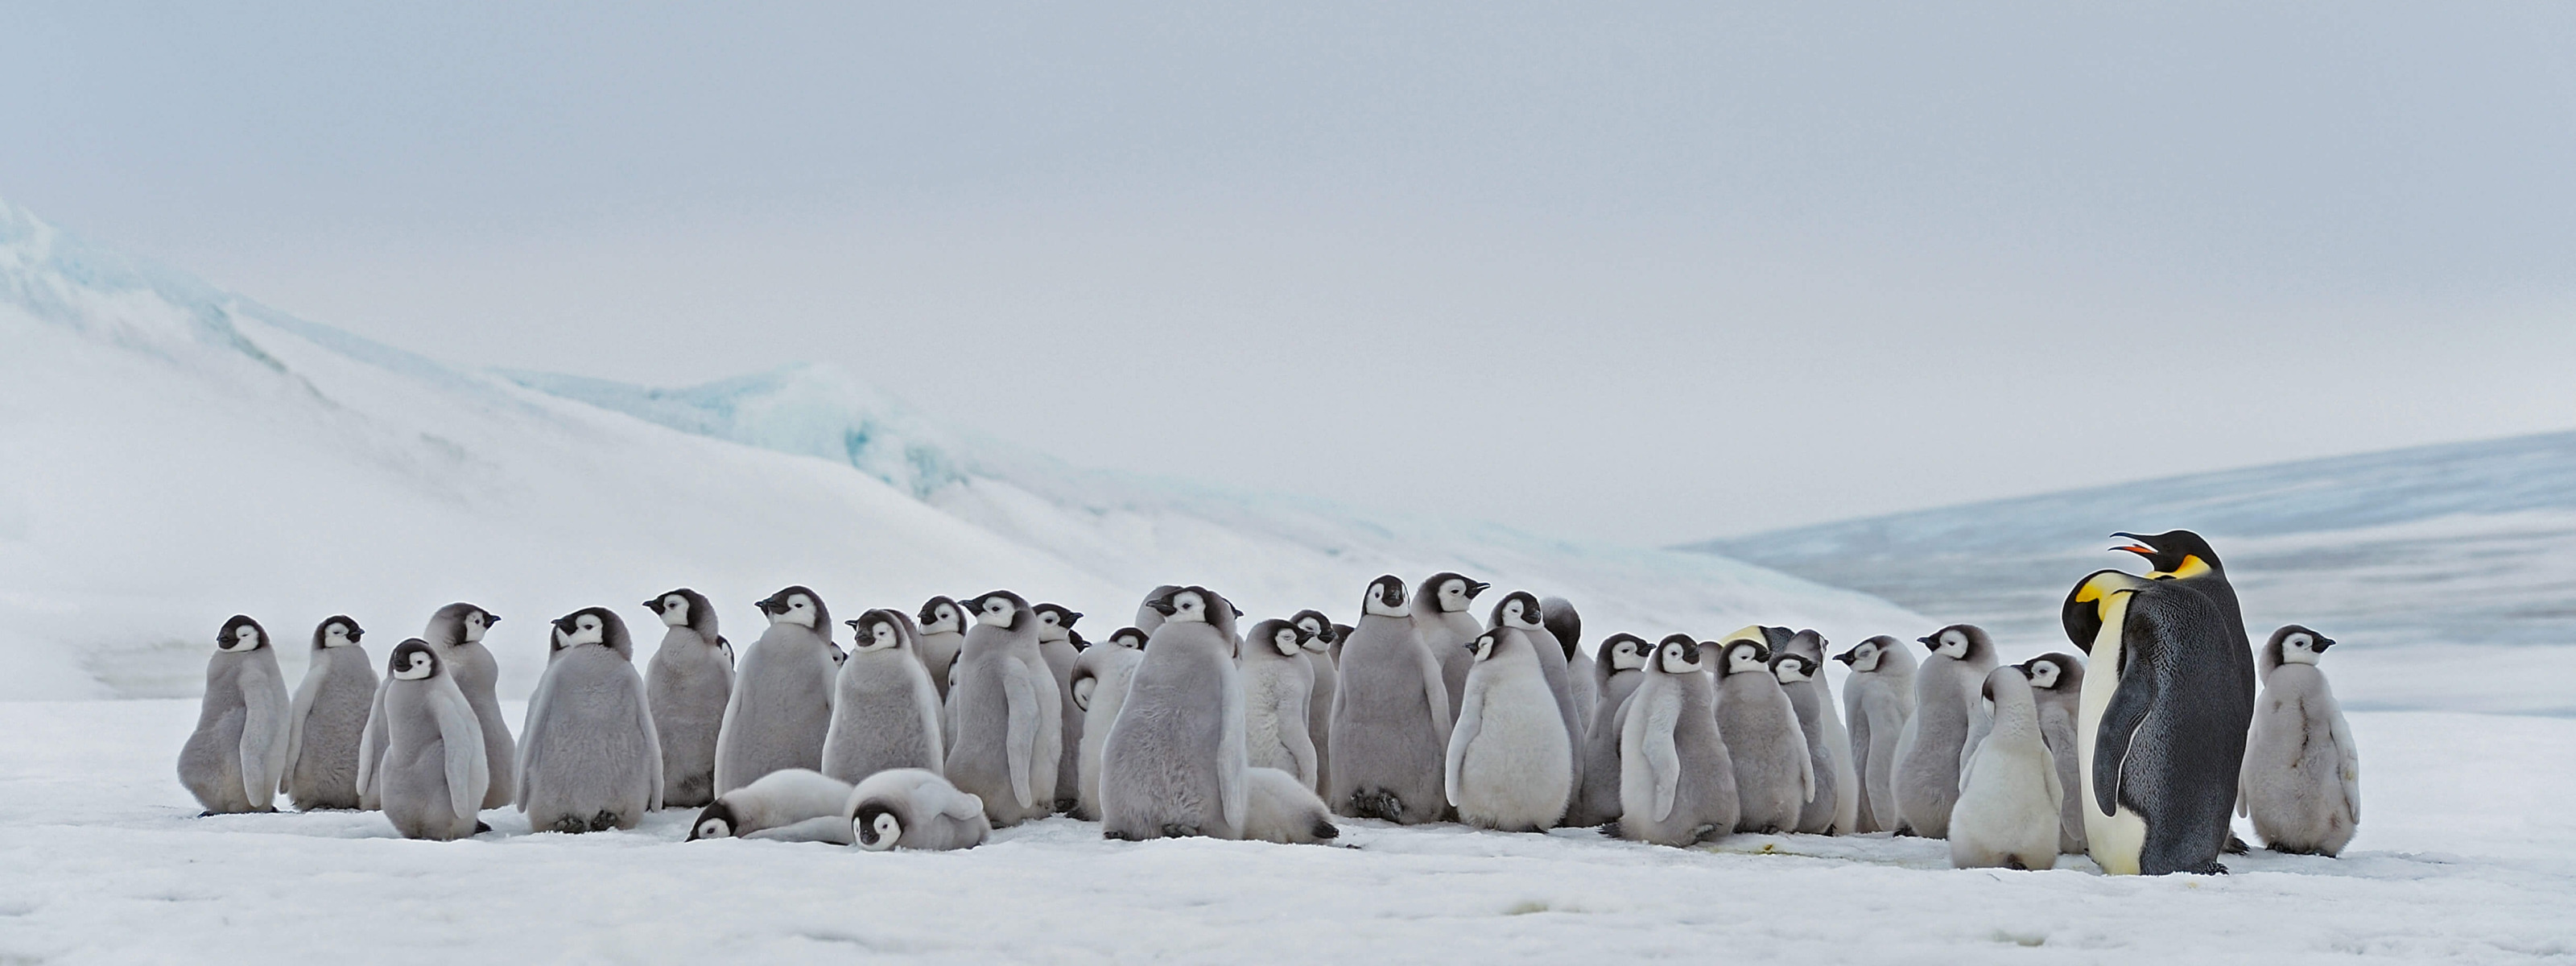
(234, 759)
(885, 712)
(590, 758)
(456, 631)
(1935, 740)
(1774, 779)
(328, 719)
(1391, 723)
(787, 805)
(2056, 686)
(1440, 615)
(1004, 741)
(1836, 804)
(431, 770)
(782, 693)
(688, 683)
(1510, 762)
(1058, 646)
(1100, 689)
(1878, 699)
(1566, 625)
(1676, 779)
(1322, 639)
(1521, 610)
(1174, 765)
(1277, 684)
(2009, 794)
(2167, 699)
(943, 637)
(1617, 665)
(2302, 775)
(914, 808)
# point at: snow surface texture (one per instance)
(2463, 856)
(2460, 557)
(180, 454)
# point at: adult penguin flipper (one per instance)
(1021, 735)
(2128, 709)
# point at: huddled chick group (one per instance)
(940, 724)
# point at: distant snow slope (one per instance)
(176, 454)
(2451, 570)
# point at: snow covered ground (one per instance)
(2464, 856)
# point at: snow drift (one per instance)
(177, 454)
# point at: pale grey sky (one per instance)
(1643, 272)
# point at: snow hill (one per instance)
(177, 454)
(2450, 569)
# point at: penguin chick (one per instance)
(1057, 644)
(943, 635)
(1391, 720)
(1837, 803)
(1618, 666)
(687, 683)
(2302, 776)
(2057, 685)
(590, 759)
(1878, 699)
(790, 804)
(1440, 616)
(430, 773)
(1935, 739)
(914, 808)
(1510, 763)
(1100, 689)
(235, 759)
(782, 695)
(2009, 795)
(1006, 725)
(1774, 780)
(1676, 779)
(885, 712)
(1277, 683)
(1281, 809)
(1174, 764)
(328, 719)
(1322, 639)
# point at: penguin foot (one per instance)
(480, 828)
(2236, 846)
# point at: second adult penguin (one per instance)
(1510, 764)
(782, 693)
(885, 712)
(590, 758)
(1174, 764)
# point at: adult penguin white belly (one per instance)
(2162, 718)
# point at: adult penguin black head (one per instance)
(2174, 553)
(241, 635)
(799, 606)
(1385, 598)
(682, 607)
(337, 630)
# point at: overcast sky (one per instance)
(1643, 272)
